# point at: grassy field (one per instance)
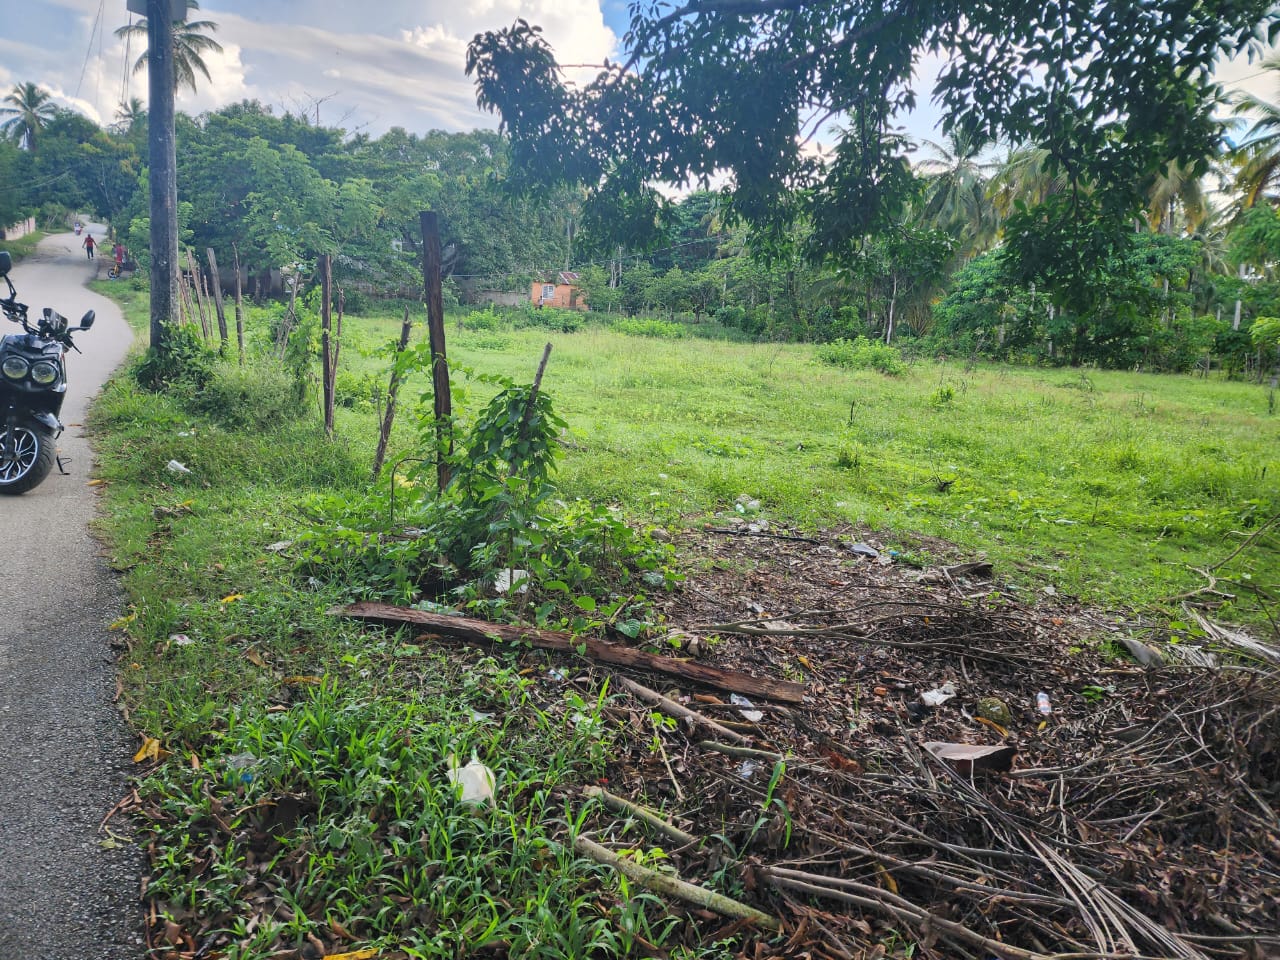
(1108, 486)
(1105, 486)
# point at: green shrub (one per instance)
(182, 360)
(353, 390)
(549, 318)
(486, 319)
(659, 329)
(257, 395)
(862, 354)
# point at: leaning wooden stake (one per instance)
(484, 632)
(217, 295)
(235, 262)
(326, 355)
(388, 418)
(435, 332)
(674, 887)
(197, 282)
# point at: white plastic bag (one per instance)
(474, 783)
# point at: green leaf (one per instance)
(587, 604)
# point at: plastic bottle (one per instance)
(1042, 703)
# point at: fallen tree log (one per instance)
(484, 632)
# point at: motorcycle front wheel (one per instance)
(26, 457)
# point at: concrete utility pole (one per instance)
(164, 164)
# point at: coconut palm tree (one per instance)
(1257, 158)
(189, 42)
(956, 199)
(29, 109)
(129, 115)
(1024, 175)
(1175, 191)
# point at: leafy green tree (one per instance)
(15, 175)
(28, 108)
(190, 44)
(1112, 91)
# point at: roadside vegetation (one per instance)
(300, 794)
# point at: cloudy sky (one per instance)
(366, 66)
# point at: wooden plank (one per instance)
(484, 632)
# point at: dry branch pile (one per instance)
(1139, 820)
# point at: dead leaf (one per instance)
(150, 750)
(254, 657)
(993, 725)
(97, 483)
(353, 955)
(232, 598)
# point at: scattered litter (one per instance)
(474, 783)
(180, 640)
(864, 550)
(748, 769)
(968, 758)
(478, 717)
(755, 716)
(241, 766)
(279, 545)
(1042, 703)
(979, 569)
(185, 433)
(938, 695)
(174, 466)
(1144, 653)
(746, 504)
(505, 578)
(995, 710)
(557, 675)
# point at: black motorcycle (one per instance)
(33, 383)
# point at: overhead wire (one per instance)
(97, 19)
(125, 72)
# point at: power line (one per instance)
(89, 50)
(124, 65)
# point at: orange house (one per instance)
(562, 292)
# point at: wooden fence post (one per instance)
(435, 333)
(326, 323)
(235, 262)
(217, 294)
(197, 283)
(388, 418)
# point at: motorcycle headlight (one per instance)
(15, 368)
(44, 372)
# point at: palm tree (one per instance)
(189, 42)
(956, 199)
(1024, 175)
(1257, 158)
(131, 114)
(31, 109)
(1176, 189)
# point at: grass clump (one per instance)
(649, 327)
(862, 354)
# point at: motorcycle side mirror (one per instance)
(6, 263)
(86, 321)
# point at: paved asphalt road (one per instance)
(64, 749)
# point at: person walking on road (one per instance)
(88, 246)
